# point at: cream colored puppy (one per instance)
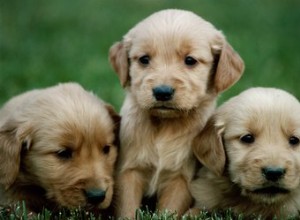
(251, 149)
(173, 65)
(57, 149)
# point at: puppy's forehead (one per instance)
(172, 26)
(259, 108)
(71, 113)
(94, 124)
(76, 134)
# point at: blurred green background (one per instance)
(43, 42)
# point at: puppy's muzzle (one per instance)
(273, 174)
(95, 196)
(163, 93)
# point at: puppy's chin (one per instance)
(267, 195)
(81, 202)
(163, 112)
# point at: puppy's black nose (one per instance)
(95, 196)
(273, 173)
(163, 93)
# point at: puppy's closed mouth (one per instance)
(271, 190)
(164, 111)
(164, 108)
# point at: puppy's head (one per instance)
(259, 130)
(63, 141)
(174, 60)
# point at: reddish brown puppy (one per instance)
(57, 149)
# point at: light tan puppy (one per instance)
(173, 65)
(251, 149)
(57, 149)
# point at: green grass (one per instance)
(18, 211)
(46, 42)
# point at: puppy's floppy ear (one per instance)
(208, 147)
(13, 139)
(118, 58)
(229, 66)
(117, 122)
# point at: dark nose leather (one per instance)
(163, 93)
(273, 173)
(95, 196)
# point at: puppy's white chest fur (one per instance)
(171, 156)
(160, 149)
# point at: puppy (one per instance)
(57, 149)
(251, 152)
(173, 65)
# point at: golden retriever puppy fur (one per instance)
(251, 151)
(173, 65)
(57, 149)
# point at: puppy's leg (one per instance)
(175, 196)
(130, 191)
(193, 211)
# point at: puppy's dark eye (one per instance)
(65, 154)
(106, 149)
(190, 61)
(294, 140)
(145, 60)
(248, 139)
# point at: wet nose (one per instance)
(95, 196)
(163, 93)
(273, 173)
